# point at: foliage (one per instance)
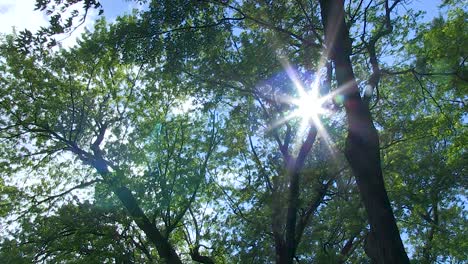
(159, 137)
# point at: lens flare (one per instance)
(309, 106)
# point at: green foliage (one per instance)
(80, 233)
(7, 197)
(180, 104)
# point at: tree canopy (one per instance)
(236, 132)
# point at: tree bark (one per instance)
(427, 256)
(294, 168)
(165, 250)
(362, 143)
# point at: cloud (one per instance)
(4, 8)
(20, 14)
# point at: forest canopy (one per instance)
(213, 131)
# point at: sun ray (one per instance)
(281, 121)
(309, 105)
(294, 78)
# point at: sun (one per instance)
(309, 106)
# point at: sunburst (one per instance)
(308, 106)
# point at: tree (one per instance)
(362, 144)
(182, 113)
(77, 233)
(72, 102)
(427, 164)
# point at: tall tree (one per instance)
(362, 144)
(91, 108)
(196, 116)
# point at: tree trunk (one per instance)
(164, 248)
(294, 166)
(291, 217)
(362, 144)
(427, 256)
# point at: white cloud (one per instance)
(20, 14)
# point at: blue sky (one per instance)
(20, 14)
(113, 8)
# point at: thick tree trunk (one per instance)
(287, 240)
(362, 144)
(165, 250)
(294, 167)
(277, 228)
(291, 217)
